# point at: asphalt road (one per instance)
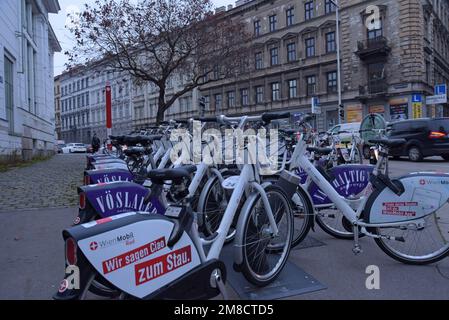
(31, 250)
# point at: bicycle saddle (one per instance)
(158, 176)
(134, 152)
(117, 139)
(320, 151)
(144, 140)
(391, 143)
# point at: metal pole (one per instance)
(337, 30)
(337, 17)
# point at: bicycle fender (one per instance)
(238, 241)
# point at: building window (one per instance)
(292, 88)
(259, 94)
(274, 57)
(310, 47)
(331, 45)
(207, 102)
(231, 99)
(258, 60)
(257, 28)
(218, 101)
(275, 91)
(291, 52)
(244, 97)
(290, 16)
(273, 21)
(376, 32)
(9, 92)
(329, 6)
(332, 82)
(311, 85)
(309, 10)
(376, 77)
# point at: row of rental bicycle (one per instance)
(153, 218)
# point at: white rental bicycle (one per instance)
(163, 256)
(408, 217)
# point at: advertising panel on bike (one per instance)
(423, 194)
(118, 197)
(136, 258)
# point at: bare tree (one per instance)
(153, 40)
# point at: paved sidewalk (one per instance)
(47, 184)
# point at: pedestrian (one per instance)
(95, 143)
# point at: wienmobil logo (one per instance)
(122, 238)
(122, 200)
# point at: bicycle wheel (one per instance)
(212, 206)
(302, 216)
(334, 223)
(419, 245)
(265, 254)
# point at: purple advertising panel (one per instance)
(118, 197)
(348, 180)
(107, 175)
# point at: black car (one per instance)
(425, 138)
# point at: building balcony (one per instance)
(378, 86)
(373, 48)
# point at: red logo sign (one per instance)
(422, 182)
(93, 246)
(63, 286)
(132, 256)
(154, 268)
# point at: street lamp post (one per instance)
(337, 38)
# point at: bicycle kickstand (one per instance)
(357, 248)
(217, 282)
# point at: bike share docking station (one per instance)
(291, 281)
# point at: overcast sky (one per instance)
(58, 21)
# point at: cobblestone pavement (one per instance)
(47, 184)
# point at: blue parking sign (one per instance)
(417, 98)
(440, 89)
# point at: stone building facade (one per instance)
(385, 69)
(83, 105)
(27, 46)
(145, 102)
(134, 106)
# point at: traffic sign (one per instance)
(437, 99)
(440, 89)
(417, 98)
(316, 109)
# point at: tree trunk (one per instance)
(161, 106)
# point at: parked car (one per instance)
(425, 138)
(74, 147)
(348, 128)
(59, 147)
